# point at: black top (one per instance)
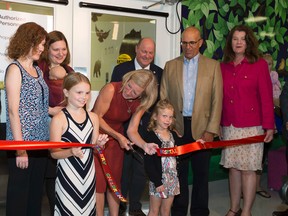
(152, 163)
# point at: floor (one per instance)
(219, 201)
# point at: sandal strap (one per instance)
(233, 211)
(238, 213)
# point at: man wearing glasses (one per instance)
(193, 84)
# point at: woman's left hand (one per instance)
(269, 135)
(150, 148)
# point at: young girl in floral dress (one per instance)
(162, 173)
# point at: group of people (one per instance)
(143, 108)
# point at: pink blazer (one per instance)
(247, 95)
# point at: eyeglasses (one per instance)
(190, 43)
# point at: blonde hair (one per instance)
(161, 105)
(146, 80)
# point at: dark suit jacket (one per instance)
(120, 70)
(207, 108)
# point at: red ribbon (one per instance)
(196, 146)
(37, 145)
(178, 150)
(108, 175)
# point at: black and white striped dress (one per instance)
(75, 182)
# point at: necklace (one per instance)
(128, 107)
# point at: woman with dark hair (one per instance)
(54, 63)
(247, 111)
(56, 55)
(27, 119)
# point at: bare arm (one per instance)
(99, 139)
(132, 130)
(57, 127)
(135, 137)
(95, 121)
(13, 81)
(13, 87)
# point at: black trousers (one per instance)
(25, 186)
(133, 179)
(50, 178)
(200, 162)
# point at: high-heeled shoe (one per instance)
(238, 213)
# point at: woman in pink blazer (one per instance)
(247, 111)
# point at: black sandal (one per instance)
(238, 213)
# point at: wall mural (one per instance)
(215, 18)
(101, 34)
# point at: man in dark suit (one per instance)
(133, 175)
(193, 84)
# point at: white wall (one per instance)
(62, 16)
(74, 22)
